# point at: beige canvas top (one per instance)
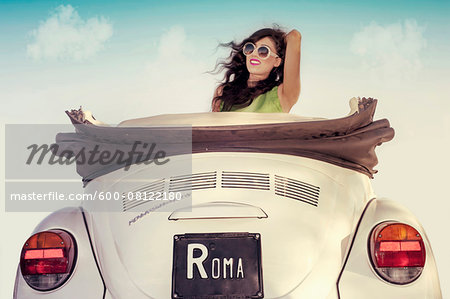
(216, 119)
(209, 118)
(348, 141)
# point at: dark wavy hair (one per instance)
(235, 91)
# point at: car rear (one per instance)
(256, 225)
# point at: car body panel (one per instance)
(359, 278)
(85, 279)
(314, 238)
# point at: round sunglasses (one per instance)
(262, 51)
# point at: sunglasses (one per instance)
(263, 51)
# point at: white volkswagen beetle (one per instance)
(257, 206)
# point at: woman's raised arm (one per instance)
(289, 90)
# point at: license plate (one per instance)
(219, 265)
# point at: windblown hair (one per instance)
(235, 91)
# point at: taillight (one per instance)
(47, 259)
(397, 252)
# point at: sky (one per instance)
(127, 59)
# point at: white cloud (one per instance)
(391, 51)
(174, 79)
(168, 78)
(65, 35)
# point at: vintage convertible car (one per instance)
(250, 206)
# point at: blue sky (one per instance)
(128, 59)
(326, 23)
(328, 28)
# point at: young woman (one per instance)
(262, 73)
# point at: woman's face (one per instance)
(262, 67)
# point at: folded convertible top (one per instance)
(347, 142)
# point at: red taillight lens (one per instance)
(397, 252)
(47, 259)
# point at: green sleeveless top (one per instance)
(265, 103)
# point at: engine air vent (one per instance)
(195, 181)
(297, 190)
(133, 198)
(283, 186)
(245, 180)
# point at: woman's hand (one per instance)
(289, 90)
